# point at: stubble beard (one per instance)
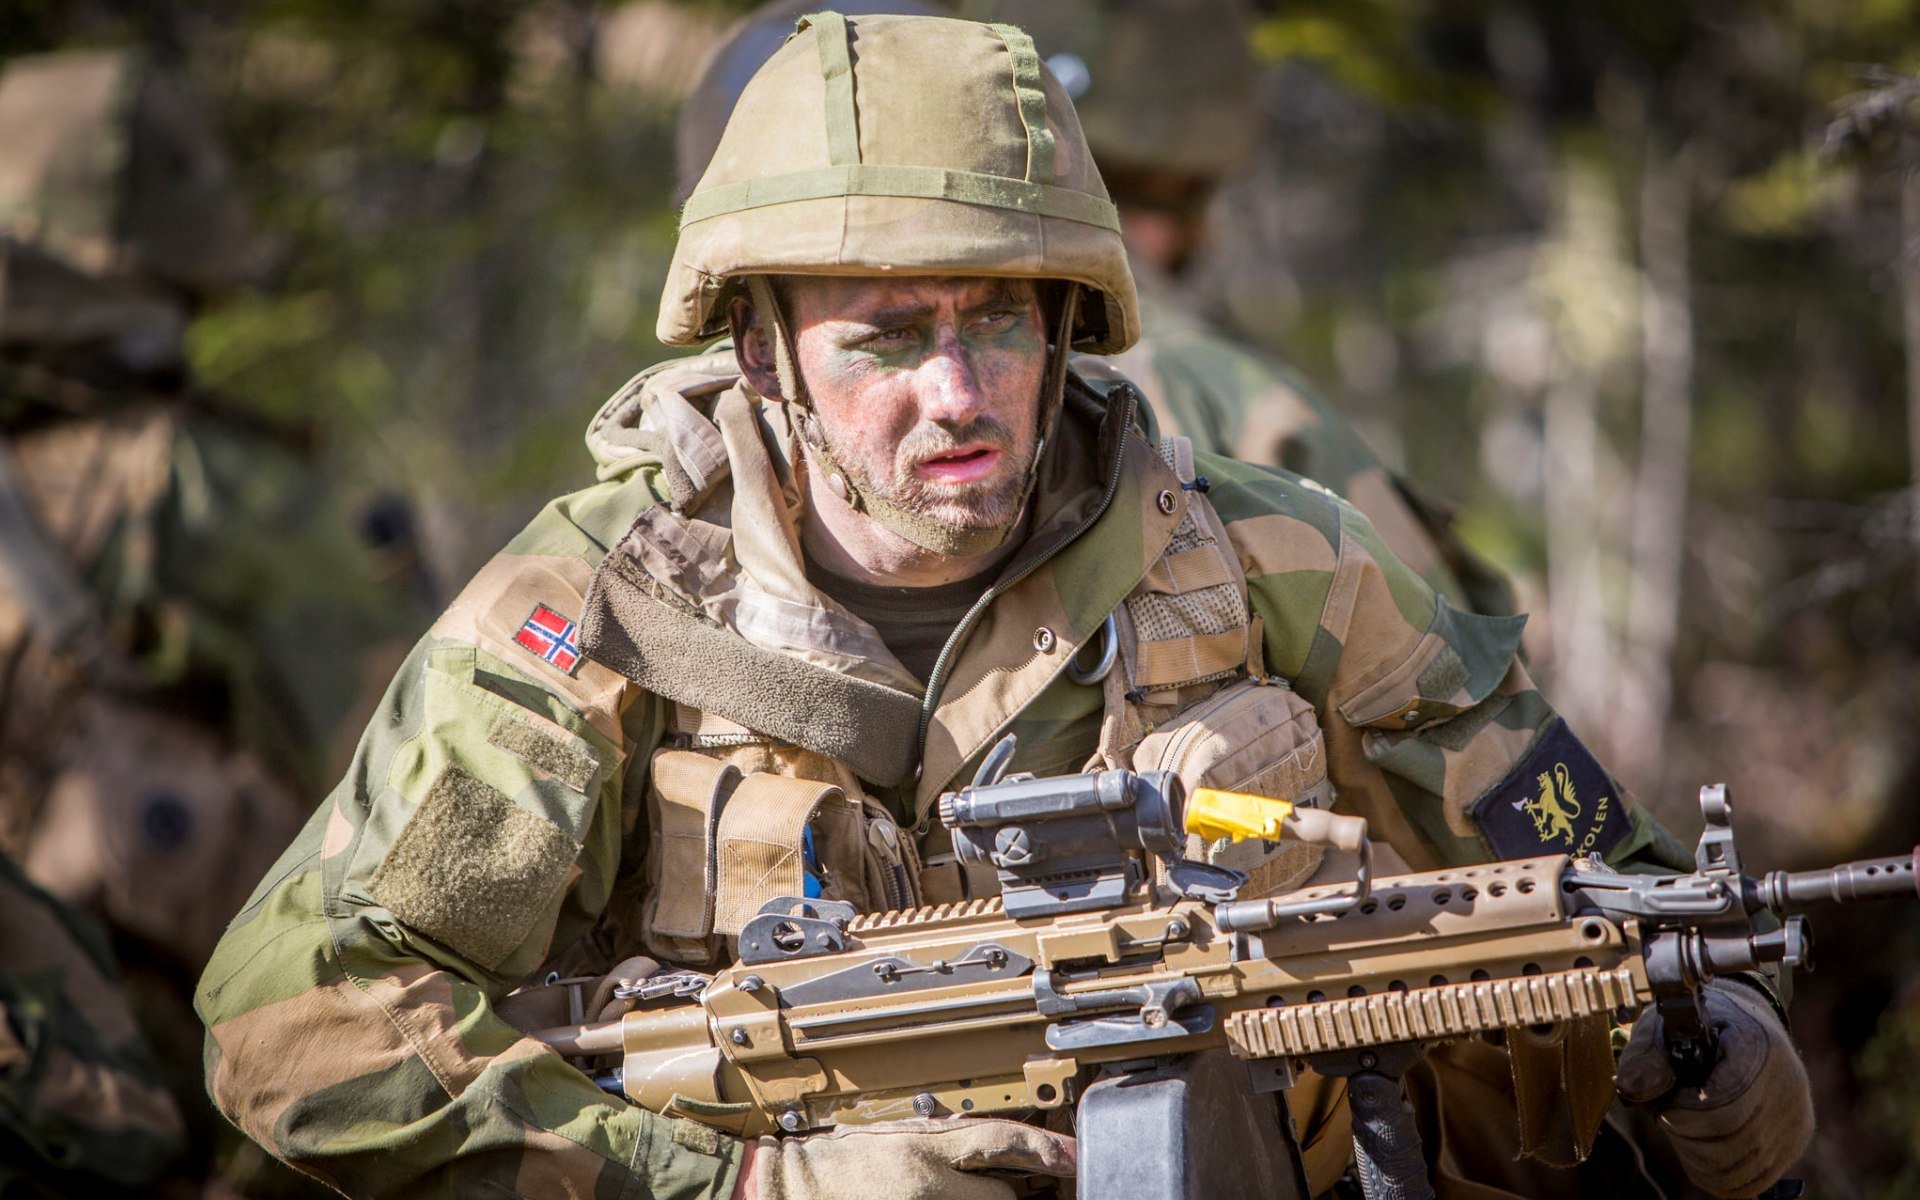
(987, 504)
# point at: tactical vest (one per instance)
(751, 818)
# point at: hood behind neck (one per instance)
(719, 564)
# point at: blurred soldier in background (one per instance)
(181, 613)
(81, 1103)
(1168, 93)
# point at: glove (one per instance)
(926, 1159)
(1752, 1121)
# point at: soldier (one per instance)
(181, 613)
(823, 571)
(82, 1106)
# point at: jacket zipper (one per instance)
(937, 681)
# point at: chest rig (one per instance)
(1185, 690)
(1188, 691)
(764, 799)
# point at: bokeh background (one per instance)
(1634, 284)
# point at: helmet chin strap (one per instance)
(929, 533)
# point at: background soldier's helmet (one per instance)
(1160, 85)
(907, 146)
(106, 166)
(116, 210)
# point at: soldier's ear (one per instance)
(753, 347)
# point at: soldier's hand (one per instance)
(1752, 1121)
(931, 1159)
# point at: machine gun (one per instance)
(1086, 960)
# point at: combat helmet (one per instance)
(891, 145)
(746, 47)
(901, 145)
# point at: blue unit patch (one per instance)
(1559, 800)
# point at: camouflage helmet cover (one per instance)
(746, 48)
(106, 166)
(902, 145)
(1160, 85)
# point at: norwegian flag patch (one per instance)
(552, 637)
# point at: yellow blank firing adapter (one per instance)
(1214, 814)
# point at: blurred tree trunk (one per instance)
(1589, 282)
(1582, 651)
(1658, 543)
(1910, 305)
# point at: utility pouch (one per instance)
(1258, 736)
(730, 834)
(764, 850)
(685, 792)
(1189, 615)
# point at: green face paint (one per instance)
(882, 429)
(1006, 327)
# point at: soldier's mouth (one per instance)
(967, 464)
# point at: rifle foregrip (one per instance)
(1386, 1143)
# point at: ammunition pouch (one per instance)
(748, 819)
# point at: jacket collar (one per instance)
(717, 561)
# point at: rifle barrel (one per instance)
(1865, 880)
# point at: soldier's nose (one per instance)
(949, 387)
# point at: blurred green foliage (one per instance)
(1890, 1068)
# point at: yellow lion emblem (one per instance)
(1556, 808)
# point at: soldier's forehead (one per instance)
(869, 298)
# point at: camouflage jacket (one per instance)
(1233, 400)
(495, 815)
(82, 1107)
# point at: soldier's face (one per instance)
(927, 390)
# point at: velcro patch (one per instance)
(472, 869)
(538, 748)
(552, 637)
(696, 1137)
(1559, 800)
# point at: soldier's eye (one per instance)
(889, 339)
(999, 321)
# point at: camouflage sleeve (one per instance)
(350, 1007)
(1435, 733)
(80, 1093)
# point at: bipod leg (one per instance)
(1188, 1127)
(1386, 1143)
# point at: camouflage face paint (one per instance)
(927, 390)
